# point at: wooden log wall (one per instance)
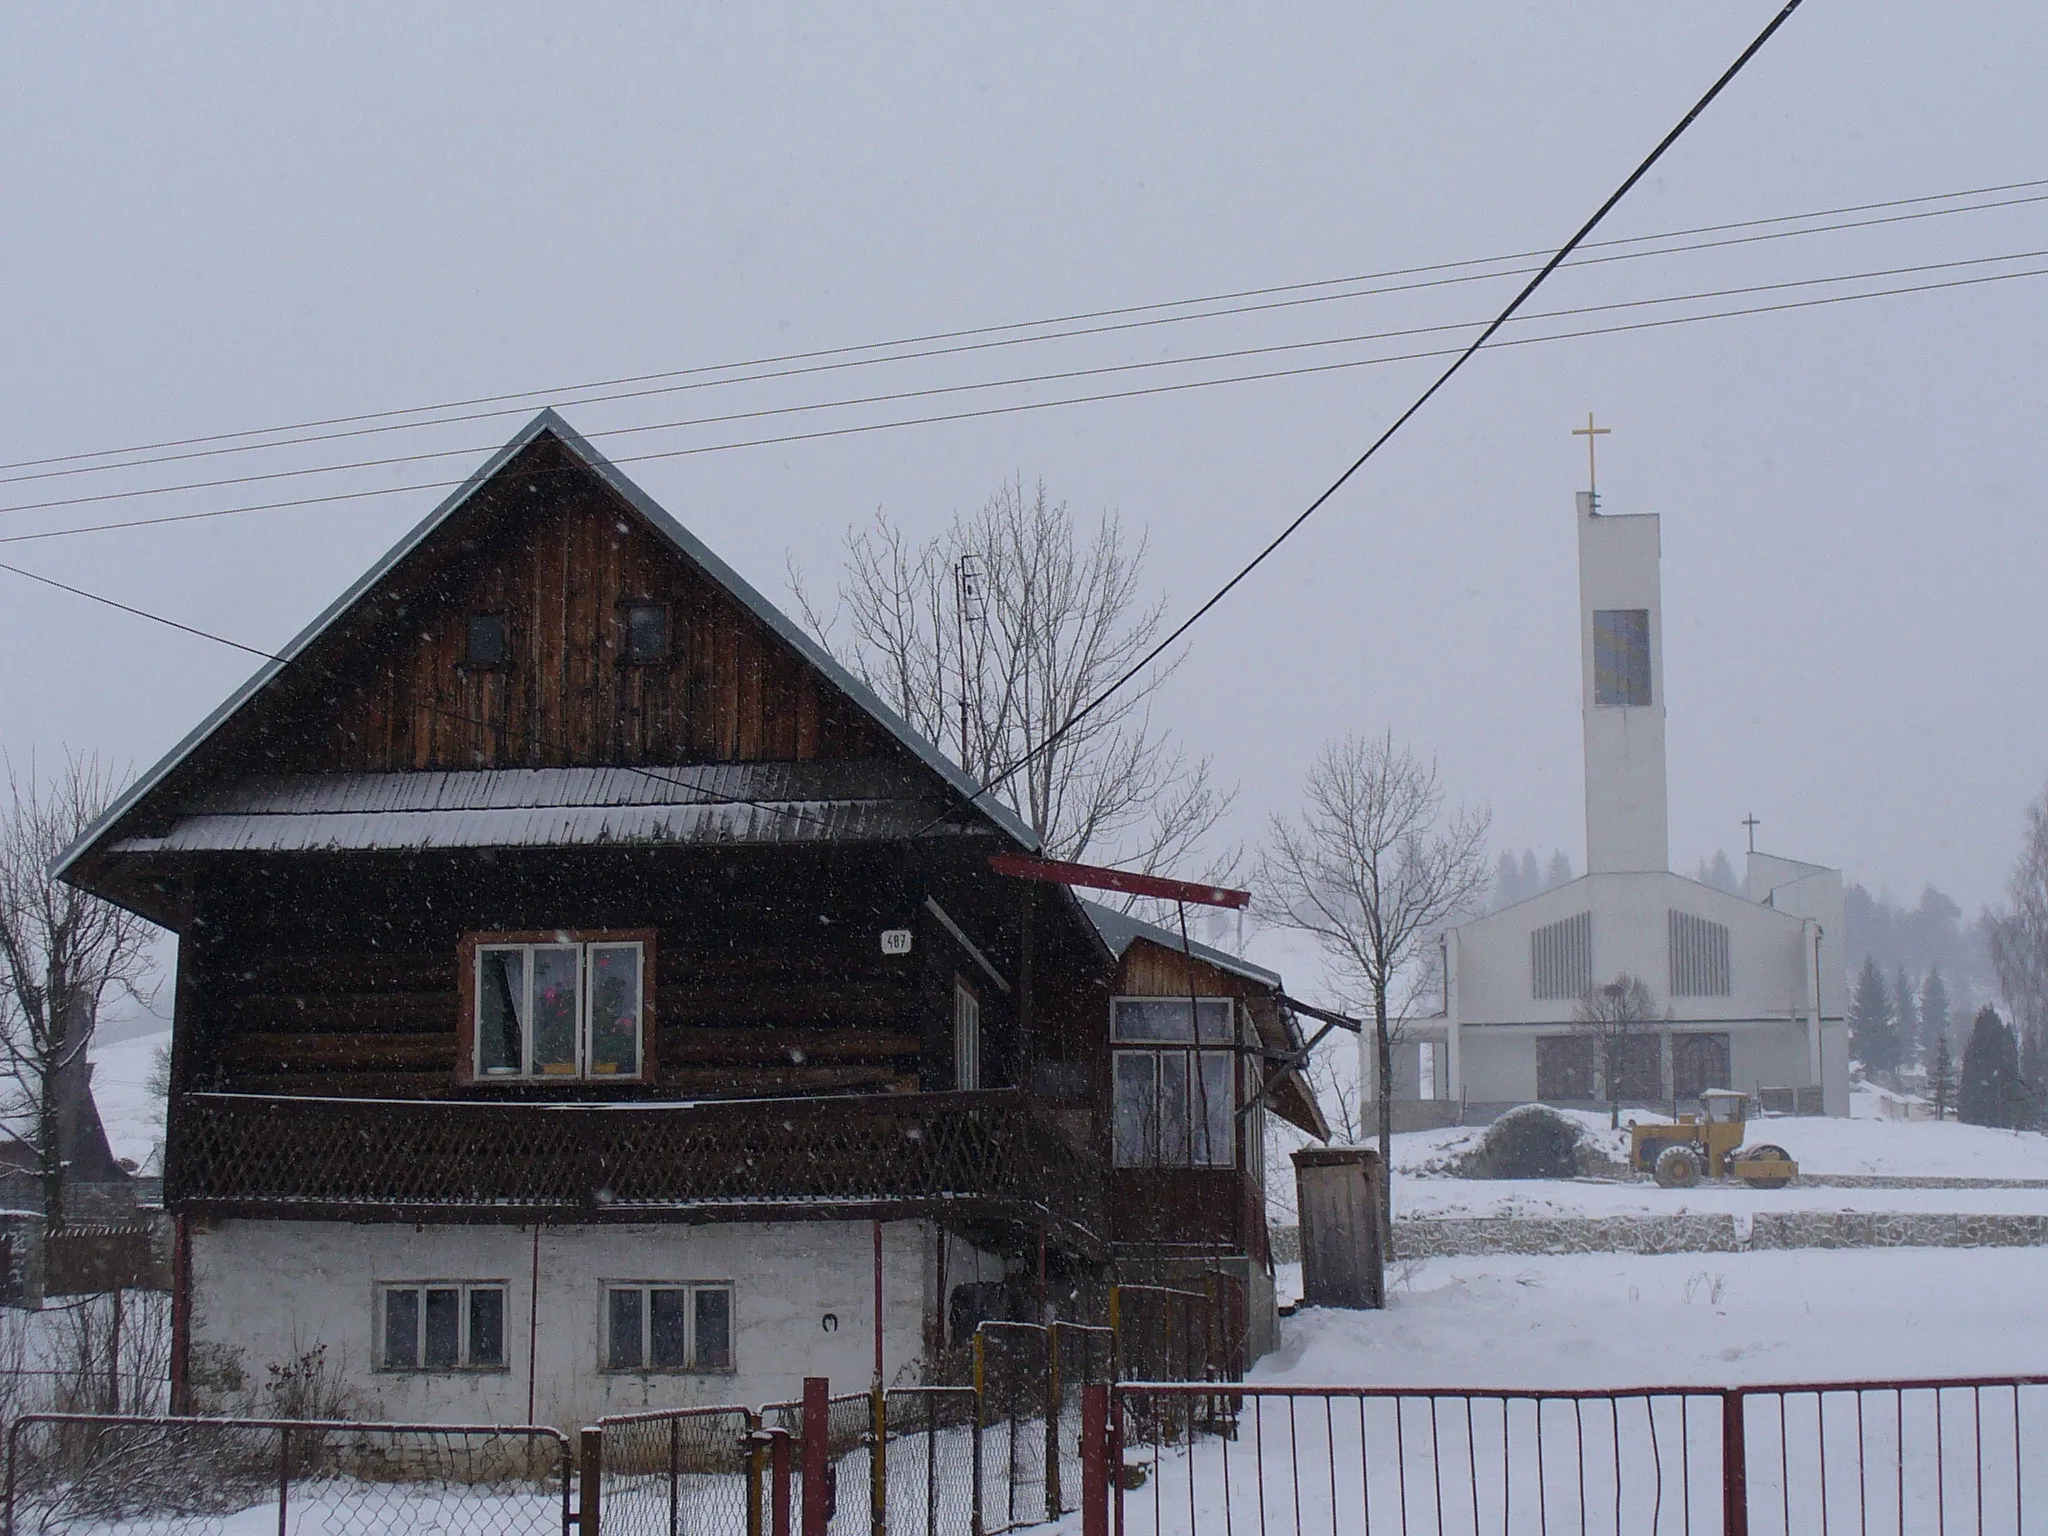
(550, 548)
(752, 994)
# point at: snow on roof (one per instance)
(539, 807)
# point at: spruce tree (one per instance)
(1941, 1077)
(1871, 1033)
(1905, 1017)
(1934, 1006)
(1507, 881)
(1559, 871)
(1532, 877)
(1991, 1092)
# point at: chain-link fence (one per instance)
(929, 1460)
(846, 1460)
(69, 1474)
(1014, 1382)
(695, 1470)
(1082, 1356)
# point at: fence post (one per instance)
(1094, 1460)
(1734, 1467)
(778, 1483)
(756, 1453)
(1052, 1422)
(284, 1477)
(674, 1479)
(817, 1455)
(878, 1460)
(591, 1476)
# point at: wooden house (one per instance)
(590, 996)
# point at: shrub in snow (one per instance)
(1532, 1142)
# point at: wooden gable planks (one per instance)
(561, 565)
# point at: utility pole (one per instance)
(969, 607)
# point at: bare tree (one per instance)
(62, 953)
(993, 636)
(1609, 1016)
(2018, 932)
(1372, 868)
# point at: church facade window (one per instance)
(1698, 1062)
(1561, 958)
(1699, 956)
(1621, 658)
(1564, 1068)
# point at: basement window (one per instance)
(442, 1326)
(646, 638)
(487, 645)
(571, 1007)
(654, 1327)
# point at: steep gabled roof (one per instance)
(549, 424)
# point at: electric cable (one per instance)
(936, 352)
(1061, 376)
(1041, 405)
(557, 394)
(1457, 363)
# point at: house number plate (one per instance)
(895, 941)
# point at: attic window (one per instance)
(646, 633)
(487, 646)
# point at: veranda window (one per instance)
(443, 1326)
(1176, 1103)
(570, 1008)
(668, 1327)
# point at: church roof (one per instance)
(549, 424)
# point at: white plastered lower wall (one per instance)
(269, 1291)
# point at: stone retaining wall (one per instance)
(1691, 1232)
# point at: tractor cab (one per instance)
(1709, 1145)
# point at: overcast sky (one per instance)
(218, 219)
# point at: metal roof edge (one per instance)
(1108, 922)
(548, 419)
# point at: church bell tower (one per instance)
(1621, 641)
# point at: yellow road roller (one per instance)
(1709, 1145)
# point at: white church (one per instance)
(1751, 989)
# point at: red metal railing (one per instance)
(1185, 1458)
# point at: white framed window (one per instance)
(1175, 1103)
(966, 1037)
(569, 1008)
(441, 1325)
(654, 1326)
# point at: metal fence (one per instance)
(143, 1476)
(1759, 1461)
(686, 1470)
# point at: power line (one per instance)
(527, 736)
(1457, 363)
(978, 346)
(1020, 407)
(1060, 376)
(991, 330)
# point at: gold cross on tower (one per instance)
(1589, 432)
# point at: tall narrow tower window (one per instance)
(1621, 657)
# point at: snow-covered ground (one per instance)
(1697, 1319)
(1857, 1145)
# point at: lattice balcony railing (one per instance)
(991, 1155)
